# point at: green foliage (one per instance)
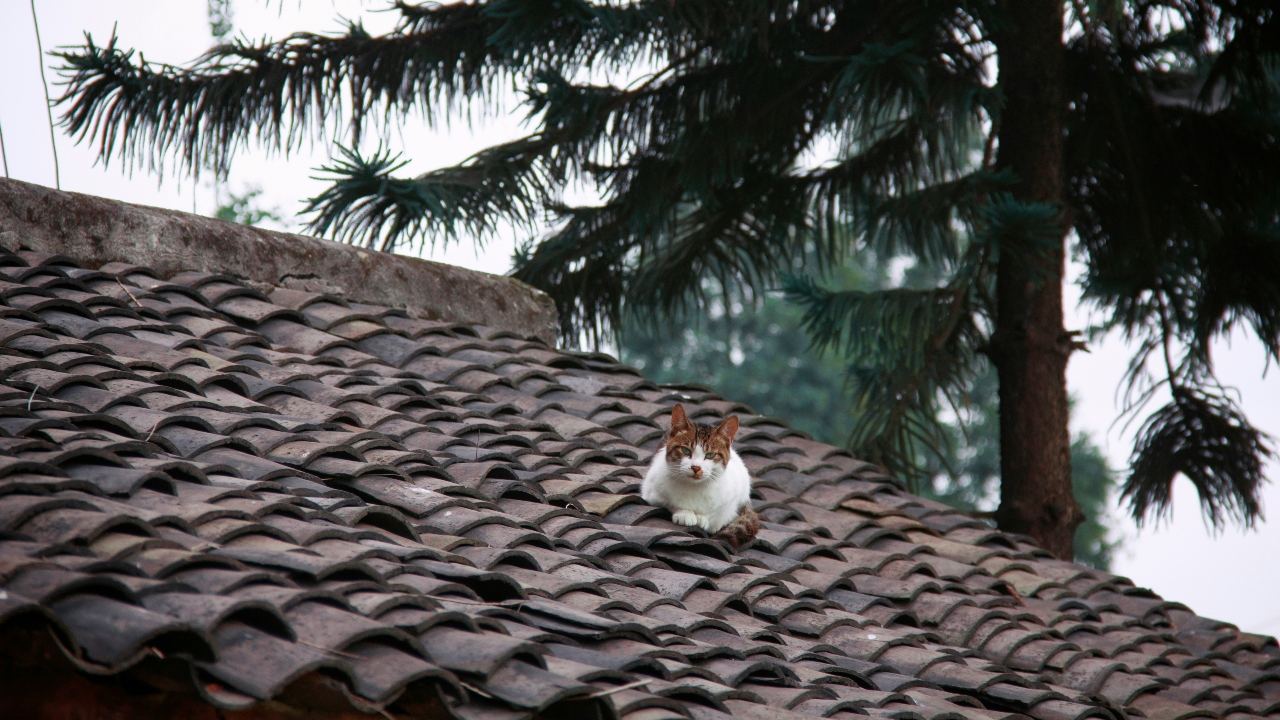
(1173, 152)
(758, 357)
(245, 209)
(1023, 232)
(1204, 438)
(1094, 483)
(910, 349)
(968, 476)
(707, 129)
(221, 18)
(367, 204)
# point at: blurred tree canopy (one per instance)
(245, 207)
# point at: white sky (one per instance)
(1233, 576)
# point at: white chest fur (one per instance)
(710, 502)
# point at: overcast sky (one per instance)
(1233, 576)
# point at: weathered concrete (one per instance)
(94, 231)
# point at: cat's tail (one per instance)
(742, 529)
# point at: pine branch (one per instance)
(439, 60)
(1239, 283)
(367, 204)
(907, 350)
(925, 223)
(279, 93)
(652, 261)
(1023, 232)
(583, 268)
(1163, 220)
(1206, 439)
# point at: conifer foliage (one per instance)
(1149, 127)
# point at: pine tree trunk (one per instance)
(1030, 346)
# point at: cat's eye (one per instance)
(686, 451)
(713, 457)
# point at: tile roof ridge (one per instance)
(95, 231)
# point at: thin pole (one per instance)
(48, 107)
(4, 155)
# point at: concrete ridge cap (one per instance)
(94, 231)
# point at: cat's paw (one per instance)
(684, 517)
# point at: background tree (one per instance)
(221, 18)
(1151, 130)
(245, 207)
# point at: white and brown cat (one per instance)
(696, 474)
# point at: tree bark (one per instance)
(1030, 347)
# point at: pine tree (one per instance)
(1149, 127)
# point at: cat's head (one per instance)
(701, 452)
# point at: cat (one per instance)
(696, 474)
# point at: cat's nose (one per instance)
(697, 472)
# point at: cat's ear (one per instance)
(678, 418)
(729, 427)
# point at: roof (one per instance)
(96, 231)
(263, 498)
